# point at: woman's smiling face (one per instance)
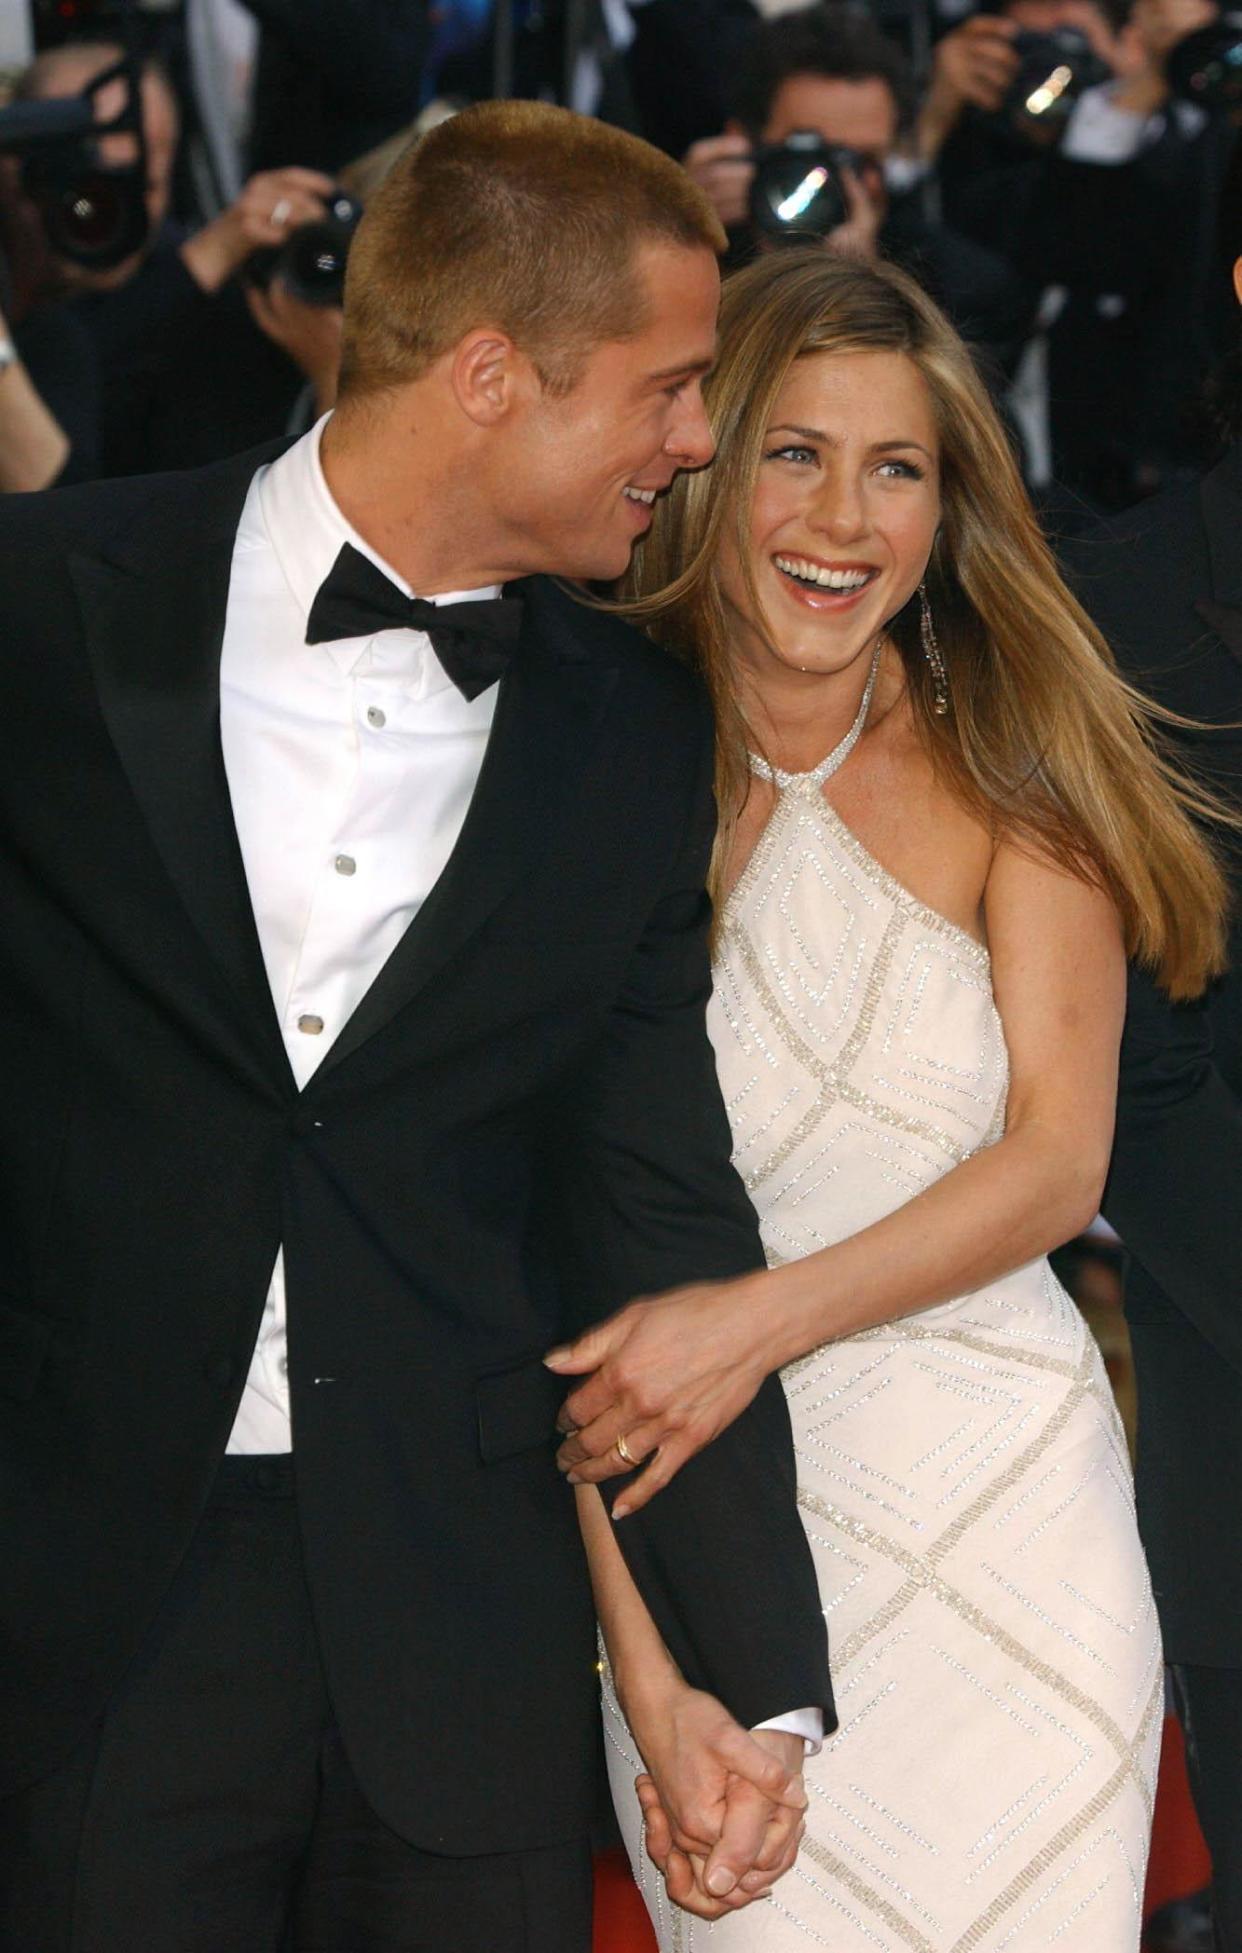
(847, 501)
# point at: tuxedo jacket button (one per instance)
(220, 1370)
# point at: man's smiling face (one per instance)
(581, 470)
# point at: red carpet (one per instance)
(1179, 1863)
(1178, 1866)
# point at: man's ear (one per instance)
(489, 376)
(1237, 279)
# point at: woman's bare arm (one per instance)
(731, 1803)
(671, 1371)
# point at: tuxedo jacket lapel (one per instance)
(550, 706)
(154, 611)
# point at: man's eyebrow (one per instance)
(833, 441)
(686, 370)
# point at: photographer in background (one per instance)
(823, 69)
(1103, 200)
(831, 72)
(184, 375)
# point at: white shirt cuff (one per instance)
(807, 1723)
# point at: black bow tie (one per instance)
(474, 641)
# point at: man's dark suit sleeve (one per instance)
(1174, 1191)
(646, 1199)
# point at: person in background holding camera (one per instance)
(184, 376)
(828, 71)
(1100, 193)
(819, 69)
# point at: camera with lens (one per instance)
(94, 213)
(1206, 66)
(797, 192)
(311, 261)
(1054, 69)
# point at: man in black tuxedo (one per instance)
(354, 971)
(1164, 583)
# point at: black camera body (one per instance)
(94, 214)
(311, 261)
(797, 192)
(1054, 69)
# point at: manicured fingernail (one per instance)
(719, 1881)
(572, 1478)
(556, 1355)
(621, 1510)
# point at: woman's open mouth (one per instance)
(825, 586)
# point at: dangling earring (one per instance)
(933, 655)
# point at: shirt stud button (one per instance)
(375, 717)
(345, 864)
(311, 1024)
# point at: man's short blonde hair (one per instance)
(515, 215)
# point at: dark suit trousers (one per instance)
(214, 1809)
(1209, 1702)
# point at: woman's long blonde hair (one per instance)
(1044, 740)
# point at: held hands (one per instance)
(670, 1372)
(724, 1810)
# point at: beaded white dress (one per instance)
(962, 1473)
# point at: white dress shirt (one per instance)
(350, 768)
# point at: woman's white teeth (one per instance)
(826, 579)
(646, 495)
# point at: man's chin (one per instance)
(597, 569)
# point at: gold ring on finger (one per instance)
(624, 1451)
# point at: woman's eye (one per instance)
(902, 470)
(790, 454)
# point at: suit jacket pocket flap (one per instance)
(517, 1409)
(24, 1342)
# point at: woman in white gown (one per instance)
(954, 829)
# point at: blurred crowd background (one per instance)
(179, 179)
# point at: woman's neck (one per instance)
(797, 717)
